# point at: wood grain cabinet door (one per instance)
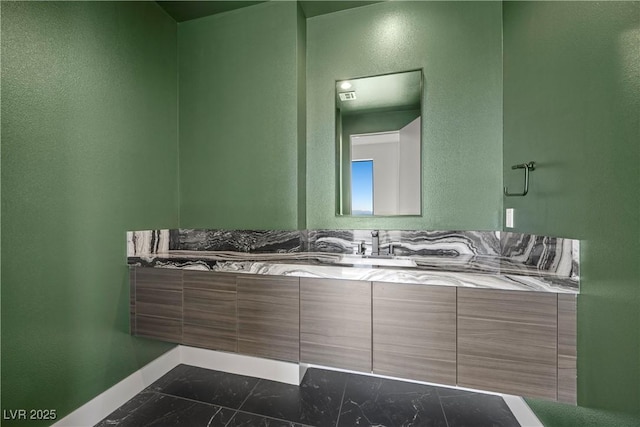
(335, 323)
(269, 316)
(158, 303)
(210, 310)
(567, 351)
(414, 331)
(507, 341)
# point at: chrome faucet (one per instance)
(375, 243)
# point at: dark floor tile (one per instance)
(478, 410)
(370, 401)
(164, 411)
(243, 419)
(205, 385)
(123, 412)
(316, 402)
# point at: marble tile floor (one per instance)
(194, 397)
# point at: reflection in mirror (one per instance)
(378, 144)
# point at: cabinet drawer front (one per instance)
(225, 282)
(160, 303)
(210, 308)
(158, 278)
(335, 323)
(210, 337)
(438, 370)
(271, 348)
(160, 328)
(507, 341)
(132, 300)
(274, 290)
(567, 352)
(520, 342)
(269, 316)
(524, 307)
(507, 376)
(414, 331)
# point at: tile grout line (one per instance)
(268, 417)
(446, 421)
(249, 394)
(146, 402)
(220, 407)
(214, 415)
(344, 391)
(191, 400)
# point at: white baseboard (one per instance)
(274, 370)
(521, 411)
(105, 403)
(102, 405)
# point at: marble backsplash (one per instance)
(542, 253)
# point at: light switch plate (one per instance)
(508, 218)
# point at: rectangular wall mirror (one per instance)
(379, 145)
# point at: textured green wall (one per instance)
(239, 128)
(571, 103)
(459, 47)
(301, 53)
(89, 146)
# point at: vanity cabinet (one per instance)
(507, 341)
(414, 332)
(269, 316)
(515, 342)
(335, 323)
(210, 310)
(158, 303)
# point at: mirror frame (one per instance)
(339, 170)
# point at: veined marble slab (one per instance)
(530, 261)
(147, 242)
(429, 272)
(556, 254)
(408, 242)
(253, 241)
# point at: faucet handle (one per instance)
(360, 247)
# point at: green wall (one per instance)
(89, 146)
(89, 150)
(459, 47)
(239, 75)
(571, 103)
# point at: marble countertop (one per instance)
(462, 271)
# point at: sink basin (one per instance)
(358, 260)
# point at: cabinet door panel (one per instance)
(567, 353)
(210, 310)
(507, 341)
(132, 300)
(269, 316)
(159, 279)
(414, 331)
(158, 303)
(335, 323)
(160, 328)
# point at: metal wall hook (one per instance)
(528, 167)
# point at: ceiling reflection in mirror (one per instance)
(379, 145)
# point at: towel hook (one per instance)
(528, 167)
